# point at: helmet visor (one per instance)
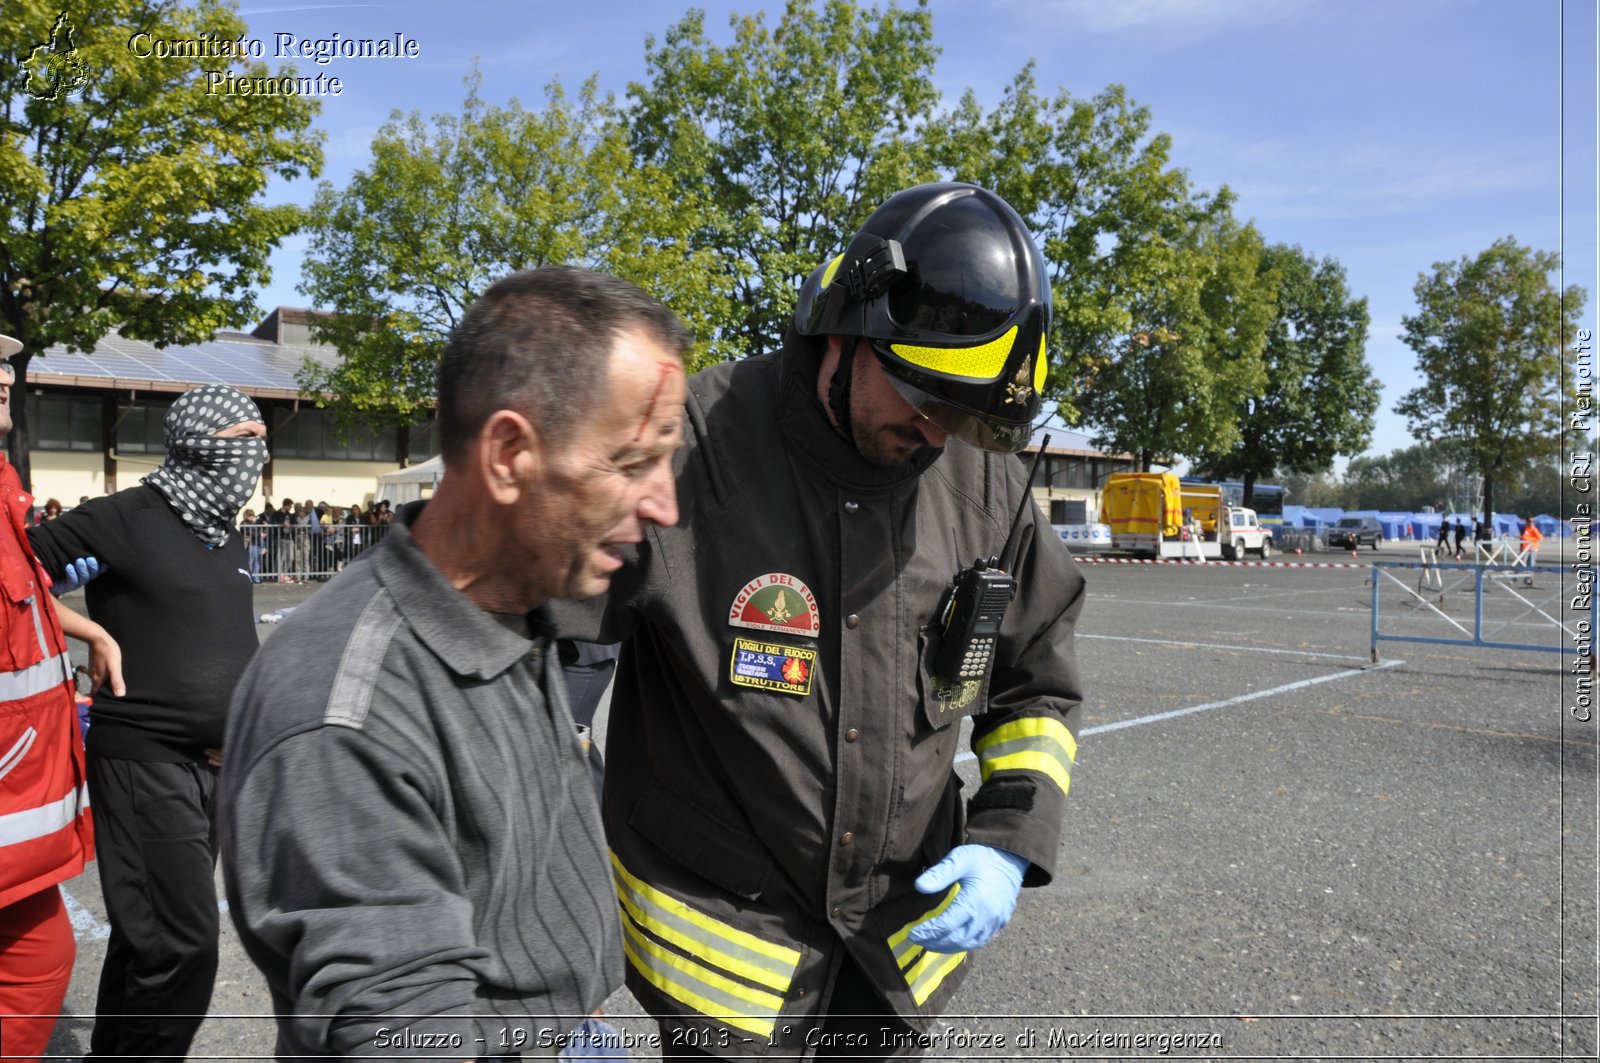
(985, 433)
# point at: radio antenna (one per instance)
(1008, 554)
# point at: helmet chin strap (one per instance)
(839, 388)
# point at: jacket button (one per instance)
(851, 735)
(852, 621)
(847, 838)
(851, 507)
(836, 913)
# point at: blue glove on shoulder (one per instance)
(78, 573)
(990, 880)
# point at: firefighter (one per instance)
(796, 867)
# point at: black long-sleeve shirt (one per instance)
(182, 613)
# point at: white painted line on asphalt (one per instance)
(84, 925)
(1241, 699)
(1224, 646)
(1208, 706)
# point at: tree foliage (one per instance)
(1193, 354)
(446, 209)
(129, 193)
(1410, 479)
(1320, 395)
(1098, 192)
(791, 135)
(1488, 335)
(735, 169)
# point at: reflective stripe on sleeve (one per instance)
(1034, 743)
(924, 971)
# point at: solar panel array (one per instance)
(228, 358)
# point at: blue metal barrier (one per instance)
(1579, 631)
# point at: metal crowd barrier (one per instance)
(296, 553)
(1556, 601)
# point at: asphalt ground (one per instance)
(1274, 848)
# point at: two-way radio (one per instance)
(975, 602)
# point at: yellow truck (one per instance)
(1152, 514)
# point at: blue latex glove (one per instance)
(990, 881)
(77, 574)
(595, 1039)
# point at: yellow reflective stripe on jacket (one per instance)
(700, 935)
(1037, 743)
(697, 986)
(984, 361)
(924, 971)
(928, 973)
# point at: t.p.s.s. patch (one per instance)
(771, 666)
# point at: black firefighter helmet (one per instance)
(947, 287)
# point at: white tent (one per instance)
(408, 485)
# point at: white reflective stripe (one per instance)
(35, 679)
(18, 750)
(45, 820)
(38, 624)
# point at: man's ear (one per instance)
(509, 455)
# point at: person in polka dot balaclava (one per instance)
(175, 592)
(212, 467)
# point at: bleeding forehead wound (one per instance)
(665, 374)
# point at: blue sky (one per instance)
(1388, 134)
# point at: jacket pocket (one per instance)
(944, 702)
(718, 852)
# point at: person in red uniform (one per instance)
(46, 835)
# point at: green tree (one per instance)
(446, 209)
(129, 192)
(1315, 489)
(1194, 352)
(1320, 395)
(1488, 335)
(1409, 479)
(1096, 188)
(789, 136)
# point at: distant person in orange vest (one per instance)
(1531, 538)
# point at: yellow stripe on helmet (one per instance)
(833, 268)
(984, 362)
(1041, 369)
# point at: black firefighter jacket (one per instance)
(779, 759)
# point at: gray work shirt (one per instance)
(410, 843)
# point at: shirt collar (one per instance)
(468, 640)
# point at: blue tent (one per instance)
(1397, 525)
(1549, 526)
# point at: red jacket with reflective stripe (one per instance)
(46, 835)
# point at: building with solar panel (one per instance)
(96, 418)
